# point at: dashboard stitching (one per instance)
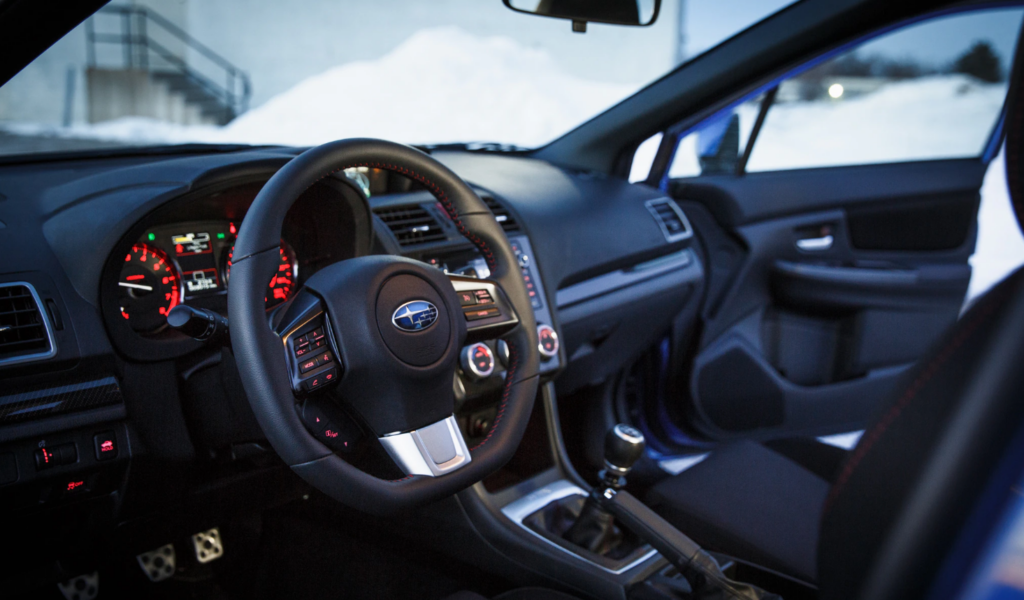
(509, 377)
(440, 195)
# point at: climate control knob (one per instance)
(477, 361)
(547, 341)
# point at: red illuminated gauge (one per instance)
(148, 288)
(282, 283)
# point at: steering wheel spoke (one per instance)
(485, 307)
(434, 450)
(309, 344)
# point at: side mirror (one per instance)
(718, 145)
(615, 12)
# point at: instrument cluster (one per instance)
(188, 263)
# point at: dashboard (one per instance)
(102, 250)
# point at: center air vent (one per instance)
(411, 224)
(501, 214)
(24, 332)
(670, 218)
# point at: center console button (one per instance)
(46, 459)
(477, 361)
(105, 445)
(547, 341)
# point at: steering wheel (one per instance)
(395, 328)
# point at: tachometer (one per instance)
(282, 283)
(148, 288)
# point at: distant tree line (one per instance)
(979, 61)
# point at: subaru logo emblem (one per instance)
(415, 316)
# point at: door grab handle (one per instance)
(817, 244)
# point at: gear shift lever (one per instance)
(595, 528)
(623, 446)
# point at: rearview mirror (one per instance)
(580, 12)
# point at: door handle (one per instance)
(817, 244)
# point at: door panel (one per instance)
(832, 303)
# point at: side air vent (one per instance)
(670, 218)
(25, 333)
(501, 215)
(411, 224)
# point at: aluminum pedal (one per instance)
(83, 587)
(208, 545)
(158, 564)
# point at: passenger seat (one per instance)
(750, 502)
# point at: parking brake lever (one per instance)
(699, 567)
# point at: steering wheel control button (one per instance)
(335, 431)
(467, 298)
(304, 350)
(482, 313)
(316, 334)
(483, 297)
(320, 380)
(308, 365)
(547, 341)
(105, 445)
(324, 358)
(477, 361)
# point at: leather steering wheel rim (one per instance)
(263, 365)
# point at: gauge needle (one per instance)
(135, 286)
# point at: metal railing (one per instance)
(140, 50)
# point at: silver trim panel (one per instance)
(432, 451)
(518, 510)
(47, 326)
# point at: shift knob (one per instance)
(623, 446)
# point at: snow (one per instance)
(937, 117)
(440, 85)
(1000, 248)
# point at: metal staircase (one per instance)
(137, 40)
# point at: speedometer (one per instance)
(282, 283)
(148, 288)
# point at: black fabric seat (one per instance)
(750, 502)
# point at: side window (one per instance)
(932, 90)
(929, 91)
(718, 144)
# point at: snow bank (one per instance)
(440, 85)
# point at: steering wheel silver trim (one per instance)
(432, 451)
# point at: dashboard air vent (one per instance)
(670, 218)
(411, 224)
(501, 214)
(24, 331)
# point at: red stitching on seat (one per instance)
(514, 362)
(897, 409)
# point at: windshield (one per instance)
(304, 72)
